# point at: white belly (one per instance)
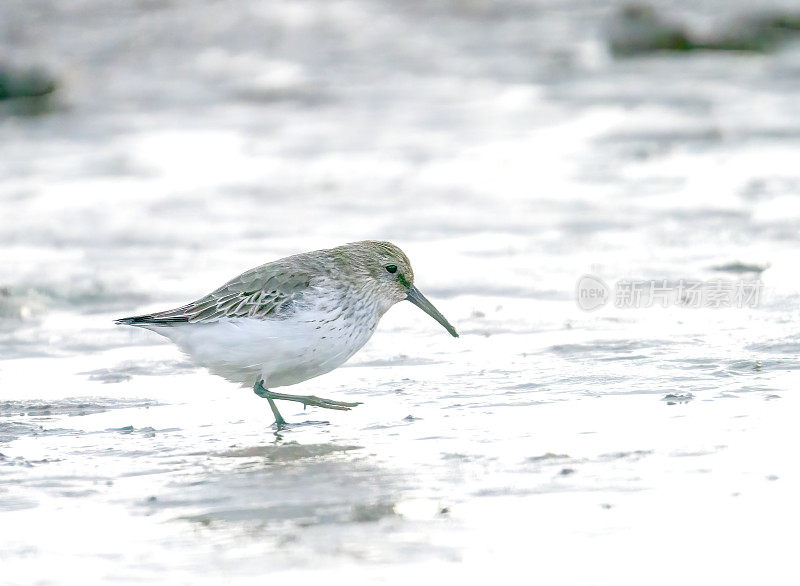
(281, 352)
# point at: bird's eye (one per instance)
(391, 268)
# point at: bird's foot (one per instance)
(306, 400)
(314, 401)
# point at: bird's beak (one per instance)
(418, 299)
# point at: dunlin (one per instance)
(293, 319)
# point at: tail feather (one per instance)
(150, 320)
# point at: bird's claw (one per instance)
(328, 403)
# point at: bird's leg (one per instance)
(279, 420)
(306, 400)
(265, 394)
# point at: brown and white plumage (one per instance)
(295, 318)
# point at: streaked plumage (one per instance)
(290, 320)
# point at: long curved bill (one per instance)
(418, 299)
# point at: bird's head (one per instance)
(386, 273)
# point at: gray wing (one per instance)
(265, 292)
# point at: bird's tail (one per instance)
(150, 320)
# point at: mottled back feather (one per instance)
(273, 290)
(264, 292)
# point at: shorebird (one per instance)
(290, 320)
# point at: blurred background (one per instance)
(151, 150)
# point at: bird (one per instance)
(293, 319)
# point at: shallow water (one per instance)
(508, 154)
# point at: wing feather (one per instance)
(266, 292)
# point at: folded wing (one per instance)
(265, 292)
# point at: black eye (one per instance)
(391, 268)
